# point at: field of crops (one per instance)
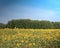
(29, 38)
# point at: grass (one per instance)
(29, 38)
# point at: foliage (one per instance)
(27, 23)
(2, 25)
(34, 24)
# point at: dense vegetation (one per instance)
(27, 23)
(2, 25)
(29, 38)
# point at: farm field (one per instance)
(29, 38)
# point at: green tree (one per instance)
(2, 25)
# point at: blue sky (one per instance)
(29, 9)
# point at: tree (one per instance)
(57, 25)
(35, 24)
(2, 25)
(11, 24)
(46, 24)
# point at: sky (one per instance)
(29, 9)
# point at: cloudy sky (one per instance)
(29, 9)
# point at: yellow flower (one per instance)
(9, 38)
(3, 38)
(18, 44)
(56, 35)
(30, 44)
(26, 41)
(33, 43)
(22, 41)
(49, 37)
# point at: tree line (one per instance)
(34, 24)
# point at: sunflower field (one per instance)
(29, 38)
